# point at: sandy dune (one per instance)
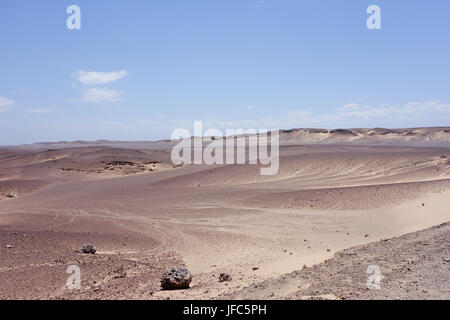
(148, 215)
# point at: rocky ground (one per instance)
(413, 266)
(34, 265)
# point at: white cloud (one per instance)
(409, 112)
(101, 95)
(349, 107)
(427, 113)
(386, 115)
(6, 104)
(18, 91)
(96, 77)
(39, 110)
(299, 113)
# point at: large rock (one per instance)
(176, 279)
(89, 248)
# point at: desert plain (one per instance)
(343, 200)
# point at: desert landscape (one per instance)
(342, 200)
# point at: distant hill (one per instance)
(425, 136)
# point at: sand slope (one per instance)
(413, 266)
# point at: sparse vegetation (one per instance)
(120, 272)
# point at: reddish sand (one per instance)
(147, 215)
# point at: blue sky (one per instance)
(139, 69)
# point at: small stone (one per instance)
(176, 279)
(8, 246)
(96, 288)
(255, 268)
(89, 248)
(224, 277)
